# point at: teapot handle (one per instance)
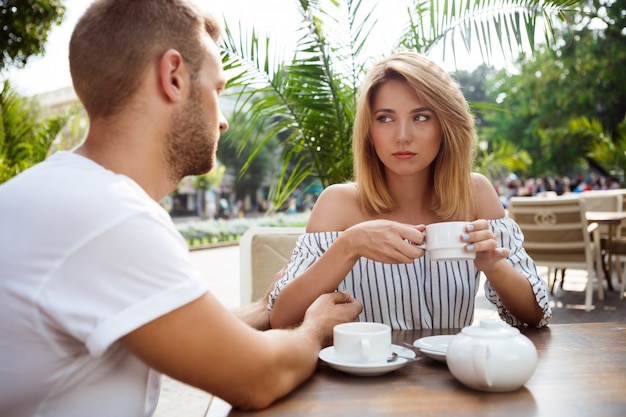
(480, 353)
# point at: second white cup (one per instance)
(362, 342)
(443, 242)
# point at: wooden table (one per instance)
(581, 371)
(611, 219)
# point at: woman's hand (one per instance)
(385, 241)
(480, 239)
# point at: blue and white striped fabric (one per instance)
(423, 294)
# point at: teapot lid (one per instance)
(492, 328)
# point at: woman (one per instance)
(413, 144)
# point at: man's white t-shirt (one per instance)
(86, 256)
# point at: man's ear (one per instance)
(172, 75)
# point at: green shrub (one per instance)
(208, 232)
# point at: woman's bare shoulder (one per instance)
(336, 209)
(342, 191)
(488, 204)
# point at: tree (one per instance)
(607, 148)
(503, 159)
(582, 77)
(25, 136)
(474, 88)
(599, 57)
(310, 98)
(235, 157)
(24, 139)
(25, 25)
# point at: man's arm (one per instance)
(205, 345)
(256, 314)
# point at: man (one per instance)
(97, 292)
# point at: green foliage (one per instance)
(608, 149)
(513, 24)
(24, 26)
(24, 137)
(495, 158)
(583, 77)
(504, 158)
(250, 173)
(473, 86)
(308, 100)
(208, 232)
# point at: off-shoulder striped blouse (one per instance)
(424, 294)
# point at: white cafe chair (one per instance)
(263, 250)
(557, 235)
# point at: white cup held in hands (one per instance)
(443, 242)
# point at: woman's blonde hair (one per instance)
(452, 168)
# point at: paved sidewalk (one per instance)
(220, 267)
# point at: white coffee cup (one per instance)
(443, 242)
(362, 342)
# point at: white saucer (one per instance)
(366, 369)
(435, 347)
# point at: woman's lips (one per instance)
(404, 155)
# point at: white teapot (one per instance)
(492, 357)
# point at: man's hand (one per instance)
(329, 310)
(256, 314)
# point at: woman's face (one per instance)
(406, 134)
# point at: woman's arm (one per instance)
(380, 240)
(256, 314)
(515, 292)
(513, 288)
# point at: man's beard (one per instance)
(191, 147)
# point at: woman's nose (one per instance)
(404, 133)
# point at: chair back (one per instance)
(621, 231)
(606, 200)
(555, 230)
(602, 201)
(264, 250)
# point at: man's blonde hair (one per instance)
(452, 168)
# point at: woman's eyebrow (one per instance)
(416, 110)
(383, 110)
(422, 109)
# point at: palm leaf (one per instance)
(24, 137)
(606, 149)
(514, 23)
(307, 101)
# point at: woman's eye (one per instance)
(422, 118)
(384, 119)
